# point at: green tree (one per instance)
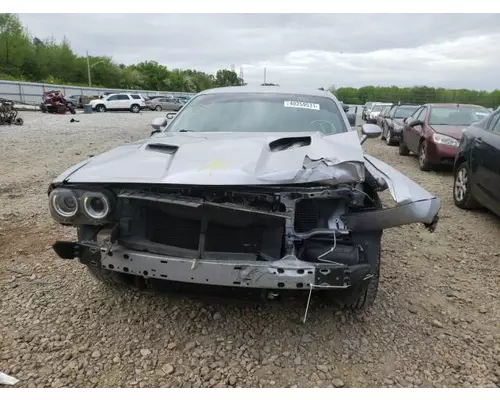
(225, 77)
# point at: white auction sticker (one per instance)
(301, 104)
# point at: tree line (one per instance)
(27, 58)
(417, 95)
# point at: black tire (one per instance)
(389, 138)
(100, 108)
(72, 110)
(364, 294)
(423, 160)
(115, 278)
(134, 108)
(158, 108)
(382, 136)
(403, 149)
(465, 201)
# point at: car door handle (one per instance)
(478, 140)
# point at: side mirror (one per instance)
(158, 123)
(415, 122)
(370, 131)
(351, 117)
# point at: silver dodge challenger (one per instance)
(258, 188)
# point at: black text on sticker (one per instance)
(301, 104)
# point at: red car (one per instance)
(433, 132)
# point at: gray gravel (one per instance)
(435, 322)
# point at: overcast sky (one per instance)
(449, 50)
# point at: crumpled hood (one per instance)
(449, 130)
(214, 158)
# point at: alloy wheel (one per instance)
(461, 184)
(422, 154)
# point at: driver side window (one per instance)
(393, 111)
(423, 114)
(111, 98)
(416, 113)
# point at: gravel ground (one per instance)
(435, 322)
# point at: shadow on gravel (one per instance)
(234, 303)
(441, 170)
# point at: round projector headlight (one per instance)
(64, 203)
(96, 205)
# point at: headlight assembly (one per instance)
(443, 139)
(64, 203)
(96, 205)
(77, 206)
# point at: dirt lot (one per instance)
(435, 322)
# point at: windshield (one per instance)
(458, 116)
(377, 107)
(403, 112)
(368, 105)
(259, 112)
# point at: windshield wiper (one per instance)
(186, 130)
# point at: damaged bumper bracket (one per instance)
(287, 273)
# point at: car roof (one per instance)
(445, 105)
(269, 89)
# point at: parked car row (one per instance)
(134, 102)
(464, 136)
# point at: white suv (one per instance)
(119, 102)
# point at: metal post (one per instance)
(88, 69)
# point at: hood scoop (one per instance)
(289, 143)
(162, 148)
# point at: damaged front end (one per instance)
(258, 237)
(270, 237)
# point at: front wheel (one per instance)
(423, 159)
(403, 149)
(135, 108)
(363, 295)
(100, 108)
(462, 195)
(114, 278)
(384, 132)
(158, 108)
(389, 138)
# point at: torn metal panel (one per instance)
(7, 379)
(424, 211)
(413, 203)
(403, 189)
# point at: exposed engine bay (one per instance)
(269, 237)
(257, 224)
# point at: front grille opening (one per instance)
(183, 232)
(244, 239)
(173, 231)
(307, 215)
